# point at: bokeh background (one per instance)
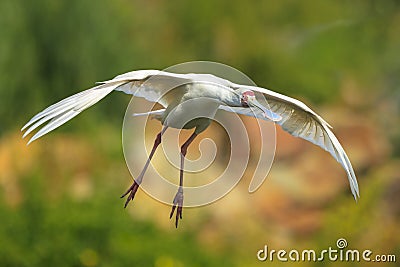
(59, 197)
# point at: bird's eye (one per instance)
(245, 98)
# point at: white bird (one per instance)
(191, 101)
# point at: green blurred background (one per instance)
(59, 197)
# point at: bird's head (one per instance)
(247, 97)
(248, 100)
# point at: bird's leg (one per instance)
(178, 200)
(136, 182)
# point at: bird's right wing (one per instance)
(63, 111)
(153, 85)
(66, 109)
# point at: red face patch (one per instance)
(245, 97)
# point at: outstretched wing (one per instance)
(61, 112)
(300, 121)
(153, 85)
(66, 109)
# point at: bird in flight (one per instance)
(191, 101)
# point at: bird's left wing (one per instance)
(300, 121)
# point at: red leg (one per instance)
(136, 182)
(178, 200)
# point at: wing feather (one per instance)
(61, 112)
(300, 121)
(149, 84)
(130, 83)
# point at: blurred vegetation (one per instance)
(342, 56)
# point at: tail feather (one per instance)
(61, 112)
